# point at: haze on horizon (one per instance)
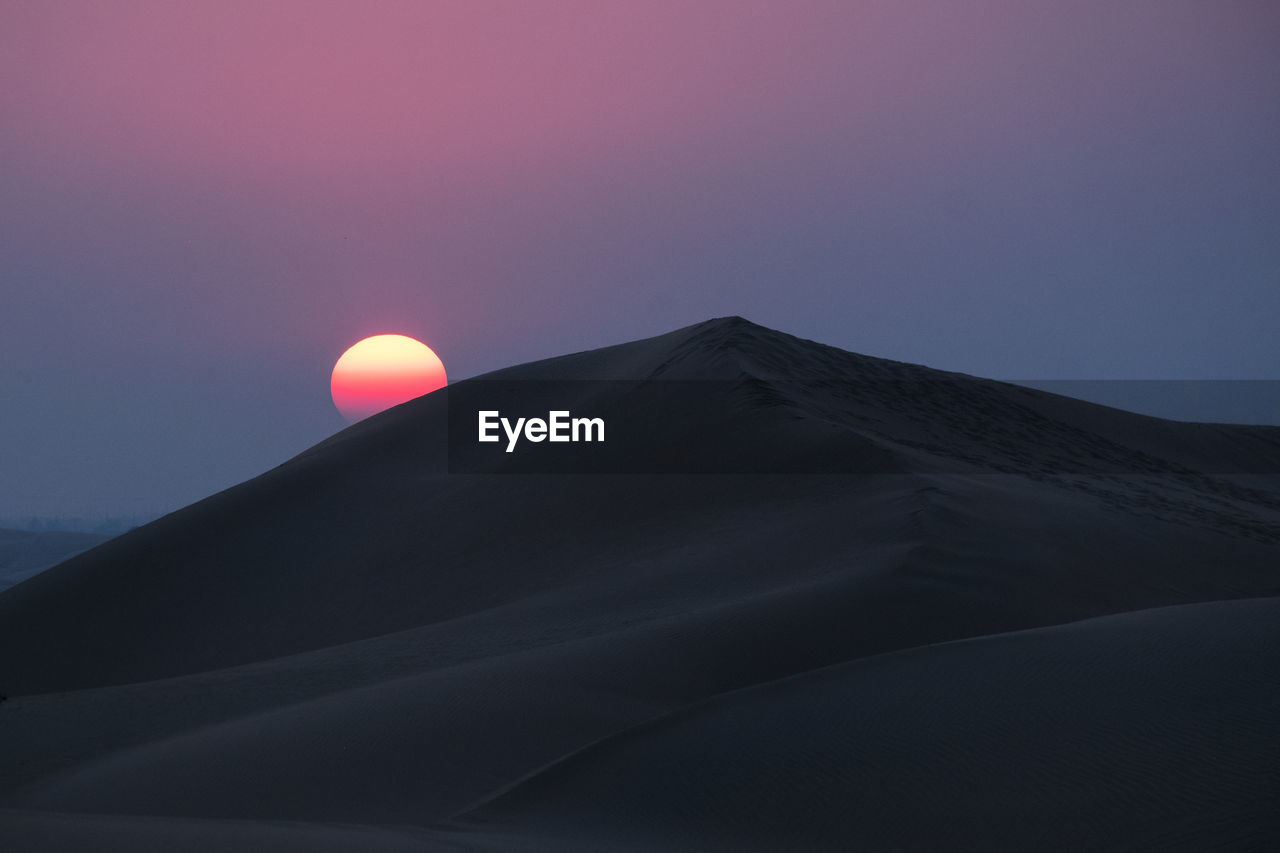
(202, 205)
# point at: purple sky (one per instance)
(203, 204)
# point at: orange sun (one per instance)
(383, 371)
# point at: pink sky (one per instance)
(240, 190)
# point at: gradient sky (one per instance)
(202, 204)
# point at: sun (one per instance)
(383, 371)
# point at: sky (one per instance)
(202, 204)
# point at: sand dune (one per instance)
(1087, 736)
(1037, 623)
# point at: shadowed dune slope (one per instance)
(631, 662)
(1150, 730)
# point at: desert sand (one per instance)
(1023, 622)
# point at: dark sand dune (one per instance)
(359, 650)
(1152, 729)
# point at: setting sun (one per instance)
(383, 371)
